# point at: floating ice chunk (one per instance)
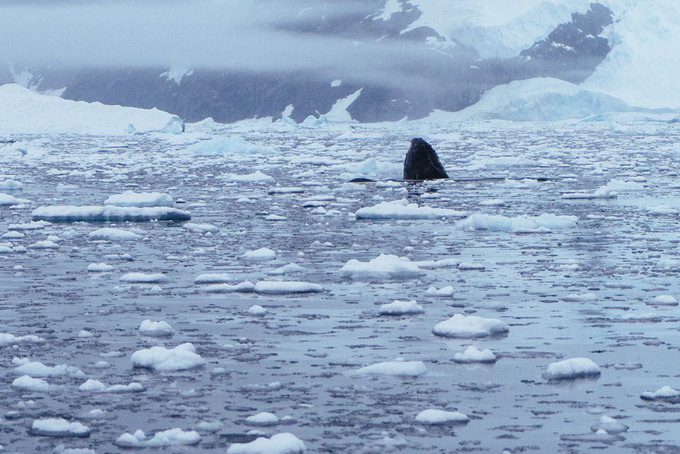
(286, 287)
(201, 228)
(665, 300)
(255, 177)
(665, 394)
(287, 269)
(243, 287)
(144, 278)
(579, 297)
(44, 244)
(212, 278)
(401, 308)
(492, 203)
(382, 267)
(28, 383)
(444, 291)
(461, 326)
(95, 386)
(285, 190)
(263, 419)
(283, 443)
(59, 427)
(260, 255)
(10, 185)
(182, 357)
(662, 210)
(7, 200)
(473, 355)
(12, 235)
(171, 437)
(37, 225)
(155, 329)
(602, 192)
(543, 223)
(11, 339)
(401, 209)
(256, 309)
(609, 425)
(61, 449)
(232, 146)
(83, 334)
(99, 267)
(470, 266)
(139, 199)
(210, 426)
(38, 369)
(572, 368)
(436, 264)
(69, 213)
(601, 436)
(111, 234)
(275, 218)
(396, 368)
(439, 417)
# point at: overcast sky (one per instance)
(234, 34)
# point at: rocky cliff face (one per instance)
(447, 77)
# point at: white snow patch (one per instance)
(25, 112)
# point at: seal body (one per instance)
(422, 162)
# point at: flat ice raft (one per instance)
(70, 213)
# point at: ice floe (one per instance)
(182, 357)
(144, 278)
(165, 438)
(28, 383)
(398, 307)
(396, 368)
(140, 199)
(572, 368)
(95, 386)
(59, 427)
(283, 443)
(286, 287)
(439, 417)
(113, 234)
(263, 419)
(11, 339)
(70, 213)
(385, 266)
(263, 254)
(543, 223)
(664, 394)
(401, 209)
(470, 326)
(473, 355)
(155, 329)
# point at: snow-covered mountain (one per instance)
(403, 59)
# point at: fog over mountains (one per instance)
(235, 60)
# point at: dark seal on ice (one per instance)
(422, 162)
